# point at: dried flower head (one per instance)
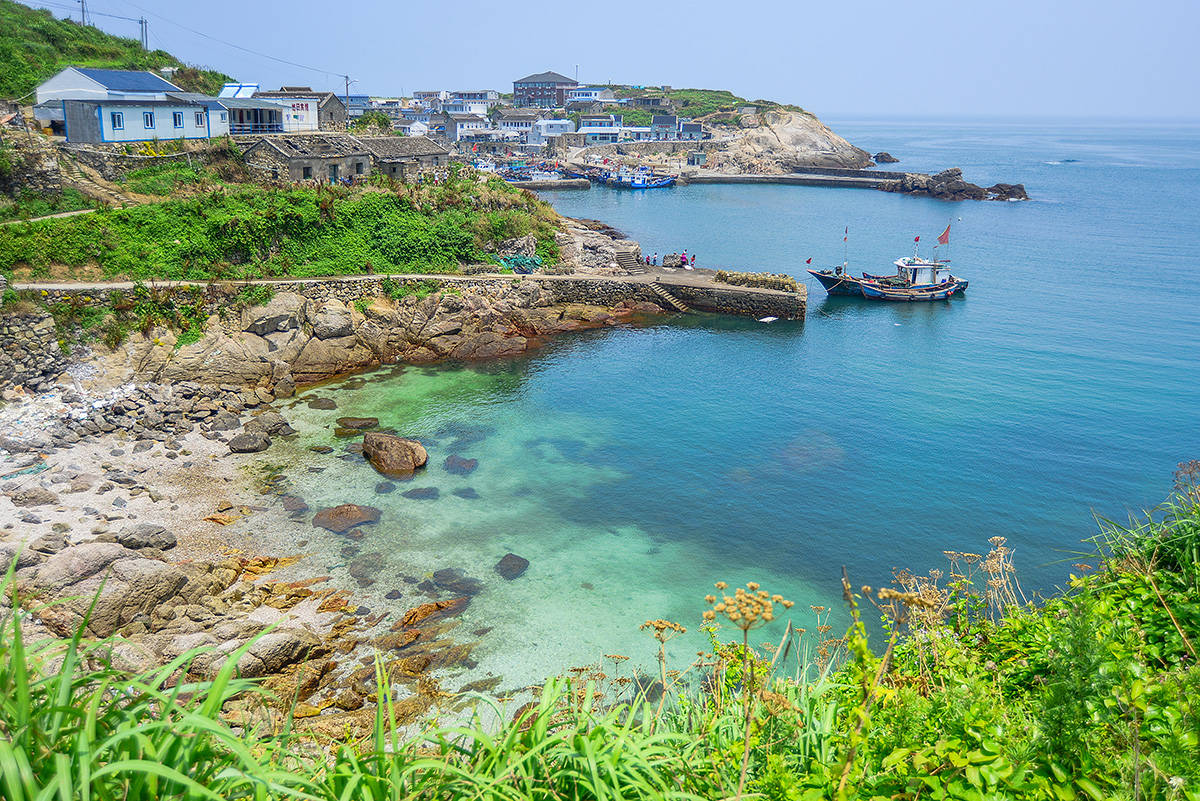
(747, 608)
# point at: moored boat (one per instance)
(637, 179)
(873, 290)
(837, 281)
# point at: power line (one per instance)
(231, 44)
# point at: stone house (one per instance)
(331, 111)
(324, 158)
(403, 158)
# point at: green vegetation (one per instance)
(29, 204)
(166, 179)
(84, 317)
(35, 45)
(780, 281)
(974, 694)
(374, 119)
(398, 290)
(251, 232)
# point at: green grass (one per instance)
(251, 232)
(29, 204)
(972, 695)
(166, 179)
(34, 45)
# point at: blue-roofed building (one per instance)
(88, 83)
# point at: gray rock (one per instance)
(224, 422)
(27, 557)
(285, 312)
(272, 423)
(34, 496)
(146, 535)
(275, 650)
(333, 320)
(249, 442)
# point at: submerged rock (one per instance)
(459, 466)
(457, 581)
(419, 614)
(384, 487)
(392, 456)
(468, 493)
(358, 422)
(511, 566)
(422, 494)
(342, 518)
(322, 404)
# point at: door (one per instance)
(333, 173)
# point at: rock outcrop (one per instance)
(777, 142)
(949, 185)
(884, 157)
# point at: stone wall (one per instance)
(112, 164)
(736, 301)
(32, 164)
(30, 355)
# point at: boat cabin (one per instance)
(919, 271)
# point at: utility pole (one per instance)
(145, 33)
(347, 77)
(83, 15)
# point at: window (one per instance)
(147, 119)
(224, 116)
(358, 168)
(177, 119)
(307, 172)
(118, 121)
(199, 119)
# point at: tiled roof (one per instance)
(128, 80)
(313, 145)
(386, 148)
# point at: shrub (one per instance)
(784, 283)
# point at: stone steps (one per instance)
(672, 301)
(629, 262)
(72, 173)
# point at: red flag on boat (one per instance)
(944, 238)
(916, 239)
(809, 260)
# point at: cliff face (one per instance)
(776, 142)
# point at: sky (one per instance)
(1017, 58)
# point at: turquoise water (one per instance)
(635, 466)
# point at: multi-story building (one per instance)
(330, 110)
(591, 94)
(543, 90)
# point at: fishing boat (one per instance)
(872, 290)
(637, 179)
(838, 281)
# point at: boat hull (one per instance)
(872, 291)
(838, 284)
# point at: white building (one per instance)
(86, 83)
(544, 129)
(96, 121)
(590, 94)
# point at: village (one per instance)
(296, 133)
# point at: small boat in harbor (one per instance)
(637, 179)
(915, 279)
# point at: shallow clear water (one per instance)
(635, 466)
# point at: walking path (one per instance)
(50, 216)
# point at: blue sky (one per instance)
(1039, 58)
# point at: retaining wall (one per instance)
(30, 355)
(113, 165)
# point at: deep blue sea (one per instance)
(635, 466)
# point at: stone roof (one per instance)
(390, 148)
(313, 145)
(509, 113)
(548, 77)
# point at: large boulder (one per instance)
(326, 358)
(249, 442)
(333, 320)
(884, 157)
(276, 650)
(394, 457)
(272, 423)
(339, 519)
(286, 311)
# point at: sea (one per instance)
(635, 466)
